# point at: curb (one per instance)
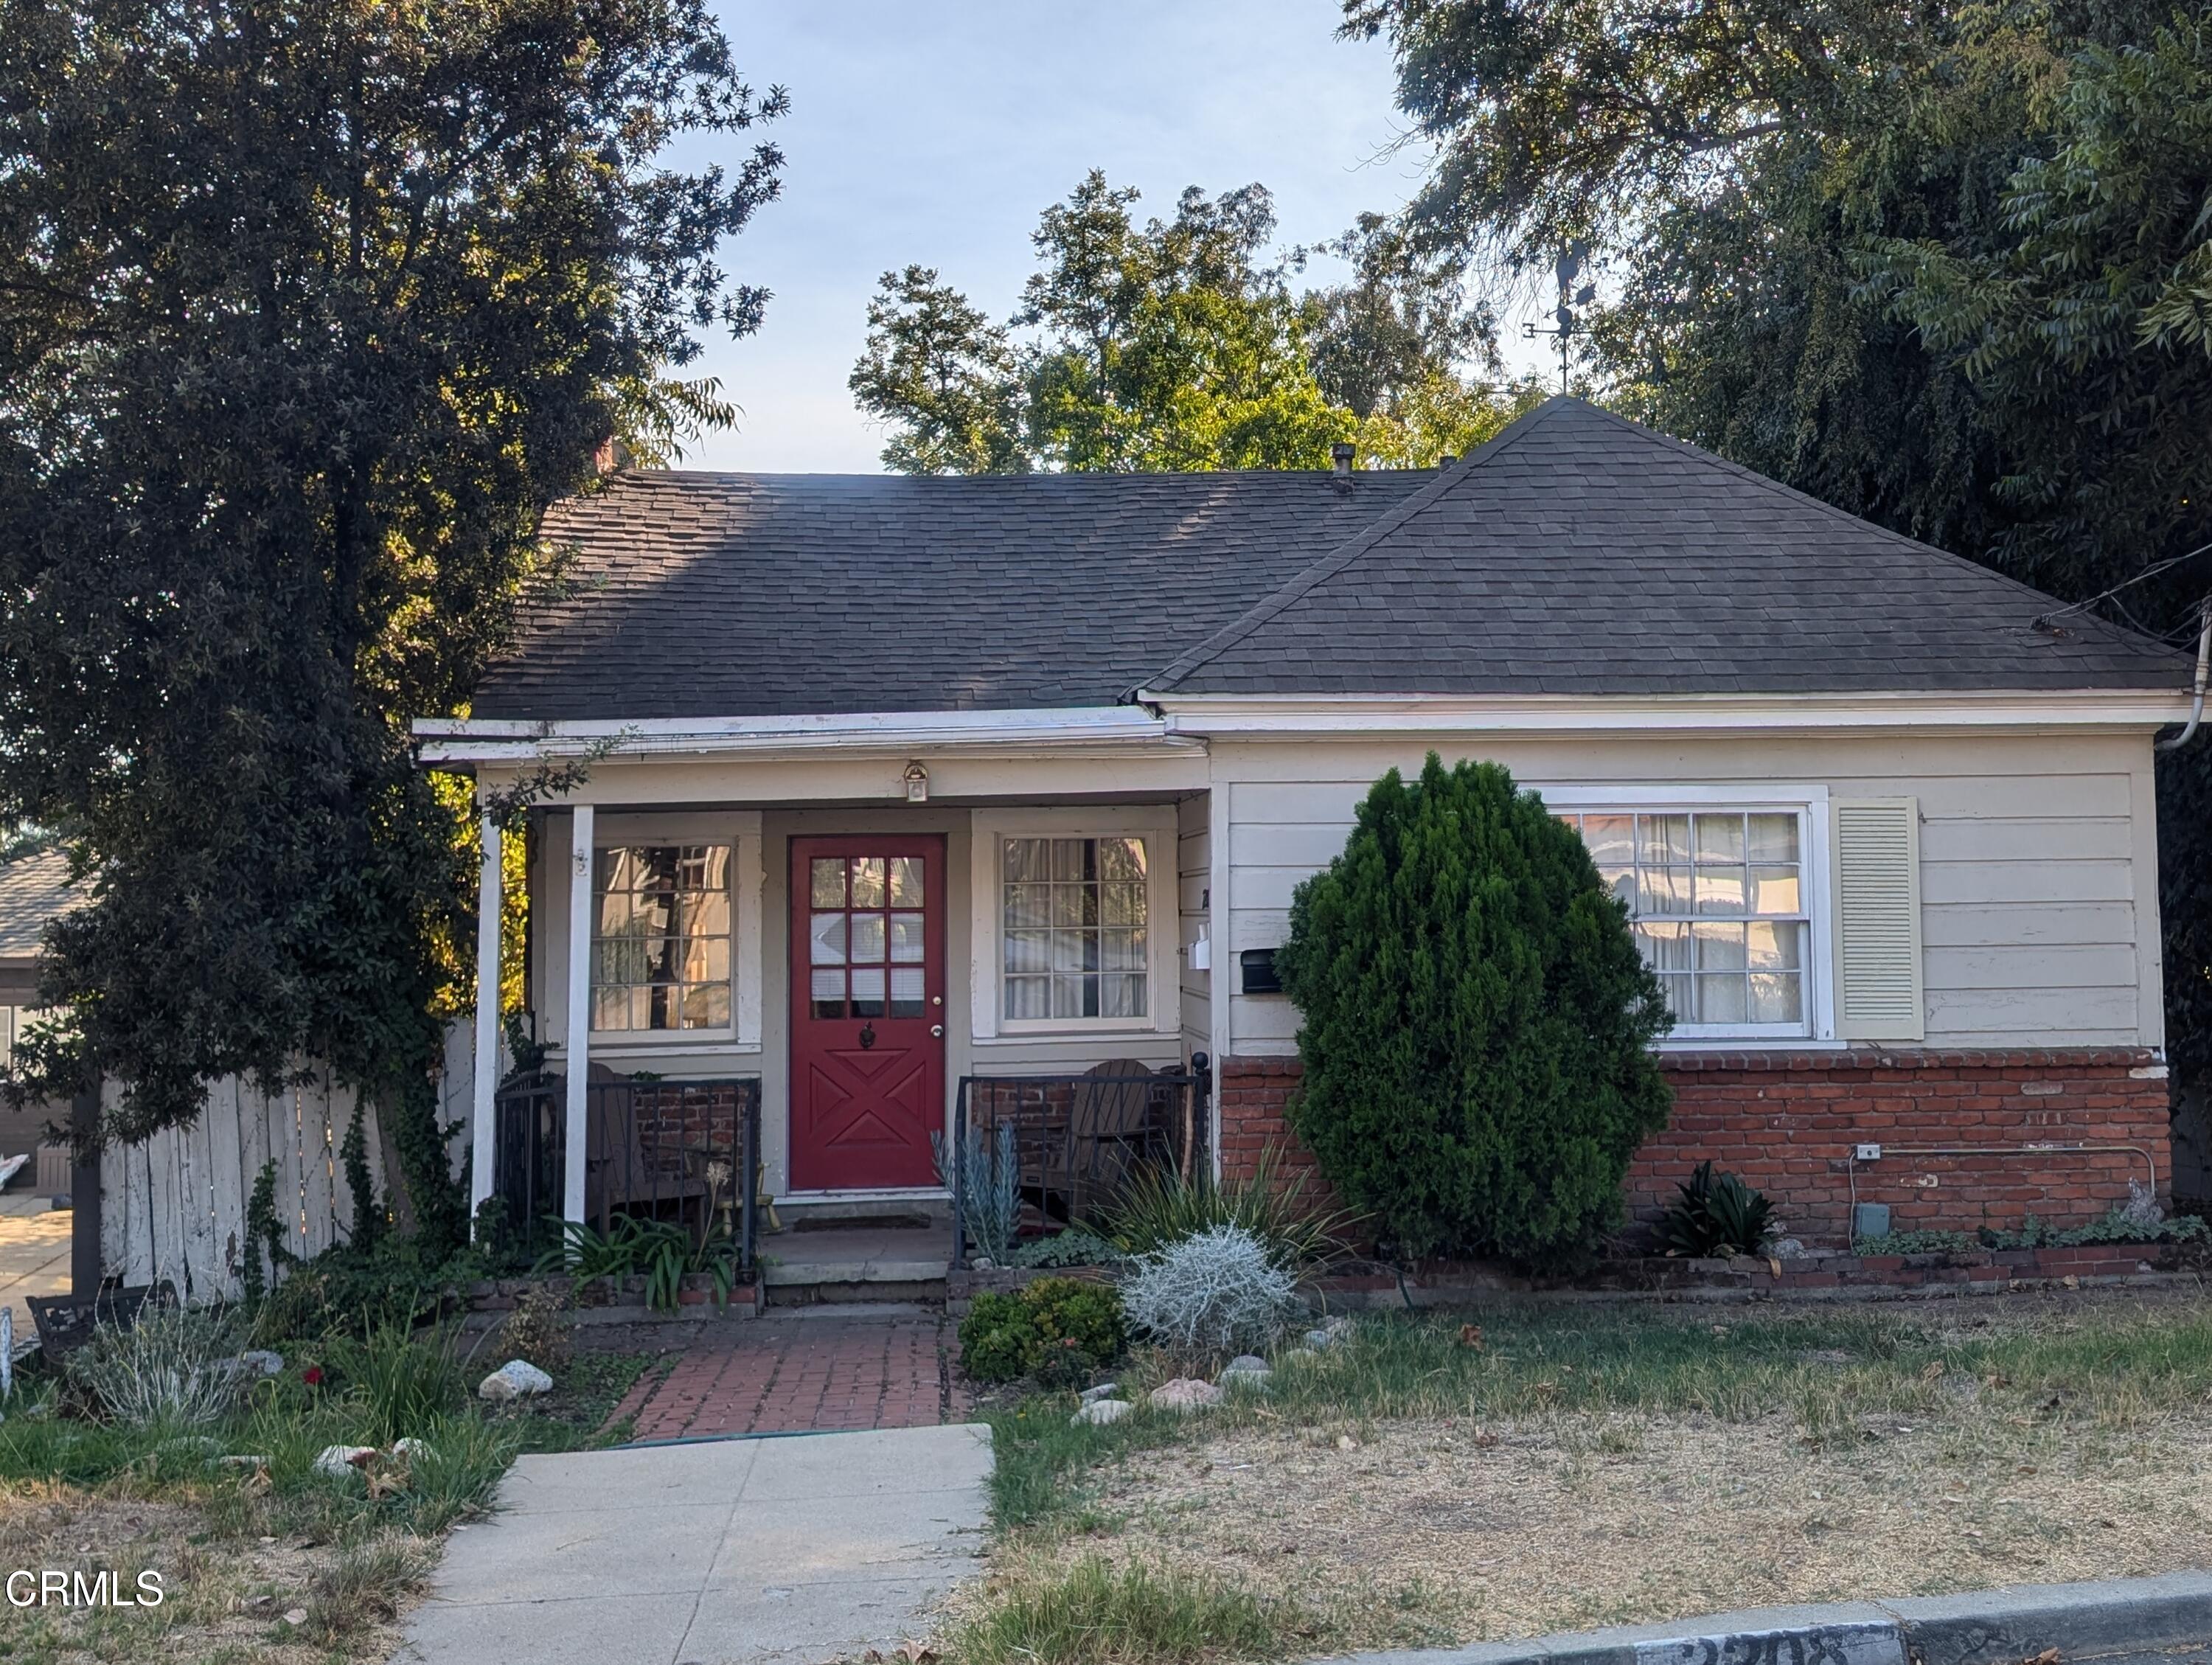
(1984, 1627)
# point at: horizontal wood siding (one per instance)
(2038, 881)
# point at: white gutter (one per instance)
(502, 741)
(1325, 715)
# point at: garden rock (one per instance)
(1246, 1370)
(1186, 1394)
(516, 1379)
(1100, 1412)
(335, 1460)
(409, 1448)
(1321, 1340)
(1104, 1390)
(259, 1361)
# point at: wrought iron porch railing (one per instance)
(1079, 1139)
(684, 1151)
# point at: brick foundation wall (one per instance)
(1787, 1123)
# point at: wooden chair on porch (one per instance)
(639, 1159)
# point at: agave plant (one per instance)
(988, 1185)
(1718, 1214)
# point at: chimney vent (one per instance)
(1446, 460)
(1339, 456)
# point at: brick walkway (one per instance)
(787, 1374)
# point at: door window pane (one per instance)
(867, 881)
(660, 936)
(906, 991)
(906, 937)
(906, 882)
(828, 881)
(867, 991)
(826, 936)
(867, 941)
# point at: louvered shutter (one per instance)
(1877, 846)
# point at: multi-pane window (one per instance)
(1072, 928)
(660, 936)
(865, 941)
(1720, 905)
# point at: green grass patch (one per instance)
(1095, 1615)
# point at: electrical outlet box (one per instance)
(1867, 1153)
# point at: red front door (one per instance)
(867, 1010)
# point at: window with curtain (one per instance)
(1073, 929)
(1721, 908)
(660, 938)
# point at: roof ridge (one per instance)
(1344, 554)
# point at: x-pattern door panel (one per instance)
(867, 1010)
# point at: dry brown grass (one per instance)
(1586, 1468)
(225, 1597)
(1564, 1522)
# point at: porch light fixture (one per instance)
(917, 784)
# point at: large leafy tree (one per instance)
(1944, 265)
(1179, 343)
(307, 313)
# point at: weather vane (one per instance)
(1569, 268)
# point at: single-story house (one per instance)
(35, 890)
(899, 783)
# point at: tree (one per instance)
(305, 316)
(1947, 271)
(1476, 1023)
(1177, 344)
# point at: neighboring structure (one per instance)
(901, 781)
(35, 891)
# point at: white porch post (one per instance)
(578, 1035)
(484, 1122)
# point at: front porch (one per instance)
(796, 983)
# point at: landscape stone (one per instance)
(1246, 1370)
(262, 1362)
(410, 1448)
(1100, 1412)
(1186, 1394)
(513, 1380)
(343, 1459)
(1104, 1390)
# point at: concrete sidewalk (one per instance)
(741, 1551)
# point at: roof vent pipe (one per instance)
(2196, 687)
(1339, 458)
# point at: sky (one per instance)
(937, 133)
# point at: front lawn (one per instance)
(270, 1561)
(1528, 1469)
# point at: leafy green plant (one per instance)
(1716, 1214)
(402, 1380)
(1055, 1329)
(1477, 1022)
(661, 1251)
(1920, 1242)
(1077, 1246)
(988, 1182)
(1158, 1206)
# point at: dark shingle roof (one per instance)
(1578, 553)
(773, 595)
(35, 891)
(1575, 554)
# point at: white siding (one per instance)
(2038, 877)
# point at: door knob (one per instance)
(937, 1031)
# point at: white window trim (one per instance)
(1810, 805)
(988, 831)
(741, 830)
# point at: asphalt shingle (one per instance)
(1575, 554)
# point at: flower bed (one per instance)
(619, 1300)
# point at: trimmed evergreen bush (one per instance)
(1477, 1024)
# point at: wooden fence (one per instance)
(174, 1207)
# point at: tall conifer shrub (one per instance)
(1478, 1023)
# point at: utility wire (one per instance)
(2050, 620)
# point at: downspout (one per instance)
(2197, 689)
